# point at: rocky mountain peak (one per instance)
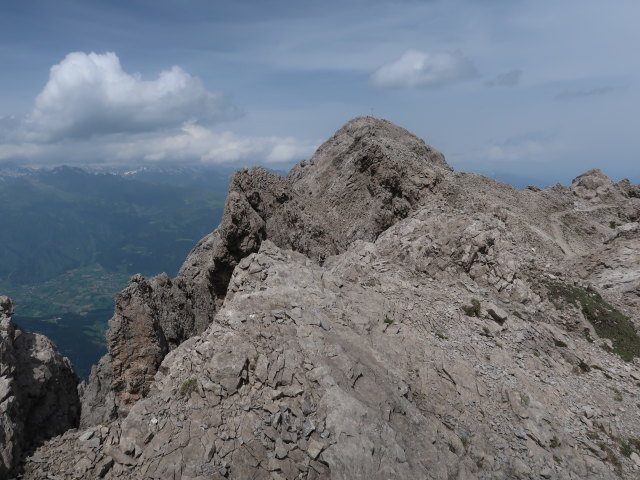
(367, 177)
(363, 133)
(593, 185)
(376, 315)
(364, 149)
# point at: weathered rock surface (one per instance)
(38, 394)
(376, 315)
(369, 175)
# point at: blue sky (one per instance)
(544, 90)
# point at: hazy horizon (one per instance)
(539, 91)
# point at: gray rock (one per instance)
(371, 172)
(38, 391)
(520, 433)
(319, 332)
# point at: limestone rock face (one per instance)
(368, 176)
(38, 394)
(376, 315)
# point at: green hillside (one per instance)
(68, 218)
(71, 239)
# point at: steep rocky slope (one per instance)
(38, 396)
(375, 314)
(357, 185)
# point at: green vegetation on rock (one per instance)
(474, 309)
(607, 321)
(187, 387)
(71, 239)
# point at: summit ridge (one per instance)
(376, 314)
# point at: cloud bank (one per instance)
(92, 111)
(90, 94)
(192, 144)
(201, 144)
(421, 69)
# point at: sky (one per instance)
(535, 90)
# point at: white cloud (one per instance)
(90, 94)
(421, 69)
(92, 112)
(190, 144)
(201, 144)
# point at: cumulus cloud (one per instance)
(594, 92)
(190, 144)
(93, 112)
(508, 79)
(421, 69)
(90, 94)
(201, 144)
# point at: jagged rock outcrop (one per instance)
(593, 185)
(38, 394)
(376, 315)
(360, 182)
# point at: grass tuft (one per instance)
(607, 321)
(472, 310)
(187, 387)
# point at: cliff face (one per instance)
(361, 181)
(375, 314)
(38, 396)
